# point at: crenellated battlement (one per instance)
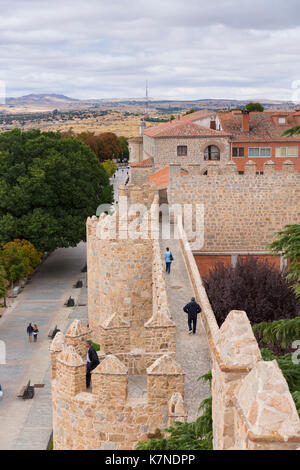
(229, 168)
(241, 212)
(107, 418)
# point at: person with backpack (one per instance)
(35, 332)
(192, 309)
(168, 259)
(29, 332)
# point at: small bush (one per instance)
(96, 346)
(254, 286)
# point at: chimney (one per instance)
(213, 124)
(245, 120)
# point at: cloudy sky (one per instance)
(187, 49)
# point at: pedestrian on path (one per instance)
(35, 332)
(192, 309)
(92, 361)
(168, 259)
(29, 332)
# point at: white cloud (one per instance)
(193, 50)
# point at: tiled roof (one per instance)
(263, 126)
(182, 128)
(148, 163)
(161, 178)
(197, 115)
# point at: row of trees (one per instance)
(49, 185)
(106, 146)
(18, 259)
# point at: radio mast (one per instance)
(147, 100)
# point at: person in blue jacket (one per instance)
(168, 258)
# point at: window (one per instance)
(282, 120)
(241, 172)
(181, 150)
(259, 172)
(212, 153)
(238, 152)
(260, 152)
(287, 152)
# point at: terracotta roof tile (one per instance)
(263, 126)
(148, 163)
(182, 128)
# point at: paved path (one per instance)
(27, 424)
(192, 351)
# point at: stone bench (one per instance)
(26, 392)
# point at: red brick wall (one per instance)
(240, 162)
(271, 259)
(205, 263)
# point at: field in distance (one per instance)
(52, 112)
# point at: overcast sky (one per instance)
(187, 49)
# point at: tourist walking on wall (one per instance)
(35, 332)
(168, 258)
(192, 309)
(92, 361)
(29, 332)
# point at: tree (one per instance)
(254, 108)
(15, 263)
(125, 149)
(3, 283)
(29, 251)
(110, 167)
(254, 286)
(105, 146)
(49, 185)
(288, 244)
(190, 111)
(292, 131)
(283, 332)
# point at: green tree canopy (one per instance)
(292, 131)
(254, 108)
(49, 185)
(124, 145)
(110, 167)
(15, 262)
(3, 282)
(288, 244)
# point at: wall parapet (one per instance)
(108, 418)
(252, 405)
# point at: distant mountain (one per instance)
(40, 99)
(45, 102)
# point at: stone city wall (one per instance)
(140, 175)
(128, 309)
(252, 406)
(107, 418)
(241, 212)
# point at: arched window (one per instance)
(212, 153)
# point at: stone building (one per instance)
(206, 136)
(252, 406)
